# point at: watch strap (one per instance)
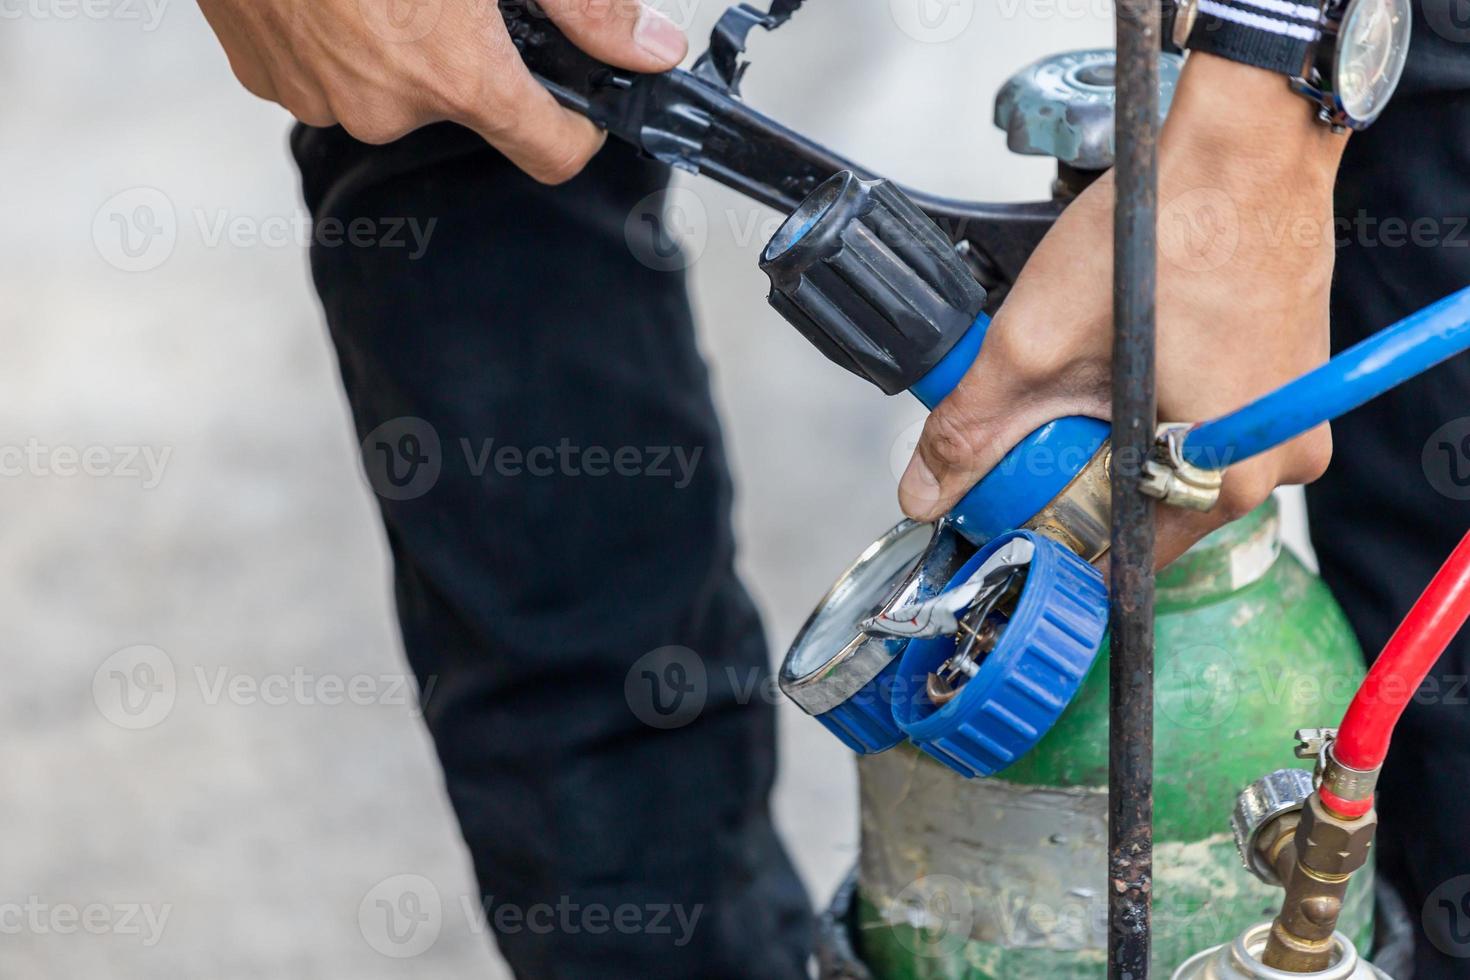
(1276, 35)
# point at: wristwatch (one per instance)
(1344, 56)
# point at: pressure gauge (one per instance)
(840, 672)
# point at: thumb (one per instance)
(961, 442)
(971, 431)
(626, 33)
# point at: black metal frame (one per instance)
(1131, 616)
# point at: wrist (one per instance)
(1242, 123)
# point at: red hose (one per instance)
(1362, 739)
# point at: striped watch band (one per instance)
(1277, 35)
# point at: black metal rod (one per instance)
(1131, 616)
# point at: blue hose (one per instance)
(1357, 375)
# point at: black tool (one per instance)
(695, 120)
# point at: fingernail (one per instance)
(660, 37)
(918, 491)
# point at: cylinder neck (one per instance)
(1234, 557)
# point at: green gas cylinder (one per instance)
(1006, 877)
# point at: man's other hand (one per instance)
(383, 68)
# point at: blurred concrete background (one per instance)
(184, 511)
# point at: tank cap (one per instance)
(998, 655)
(871, 281)
(1062, 106)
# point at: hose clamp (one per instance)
(1344, 782)
(1171, 479)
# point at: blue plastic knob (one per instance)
(1022, 686)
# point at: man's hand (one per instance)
(383, 68)
(1245, 267)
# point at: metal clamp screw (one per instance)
(1168, 477)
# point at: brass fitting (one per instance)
(1315, 860)
(1081, 516)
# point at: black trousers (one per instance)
(1396, 499)
(525, 389)
(538, 424)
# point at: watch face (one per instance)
(1371, 47)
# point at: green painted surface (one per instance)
(1250, 645)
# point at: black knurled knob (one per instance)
(871, 281)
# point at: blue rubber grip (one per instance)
(1029, 678)
(1032, 474)
(864, 722)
